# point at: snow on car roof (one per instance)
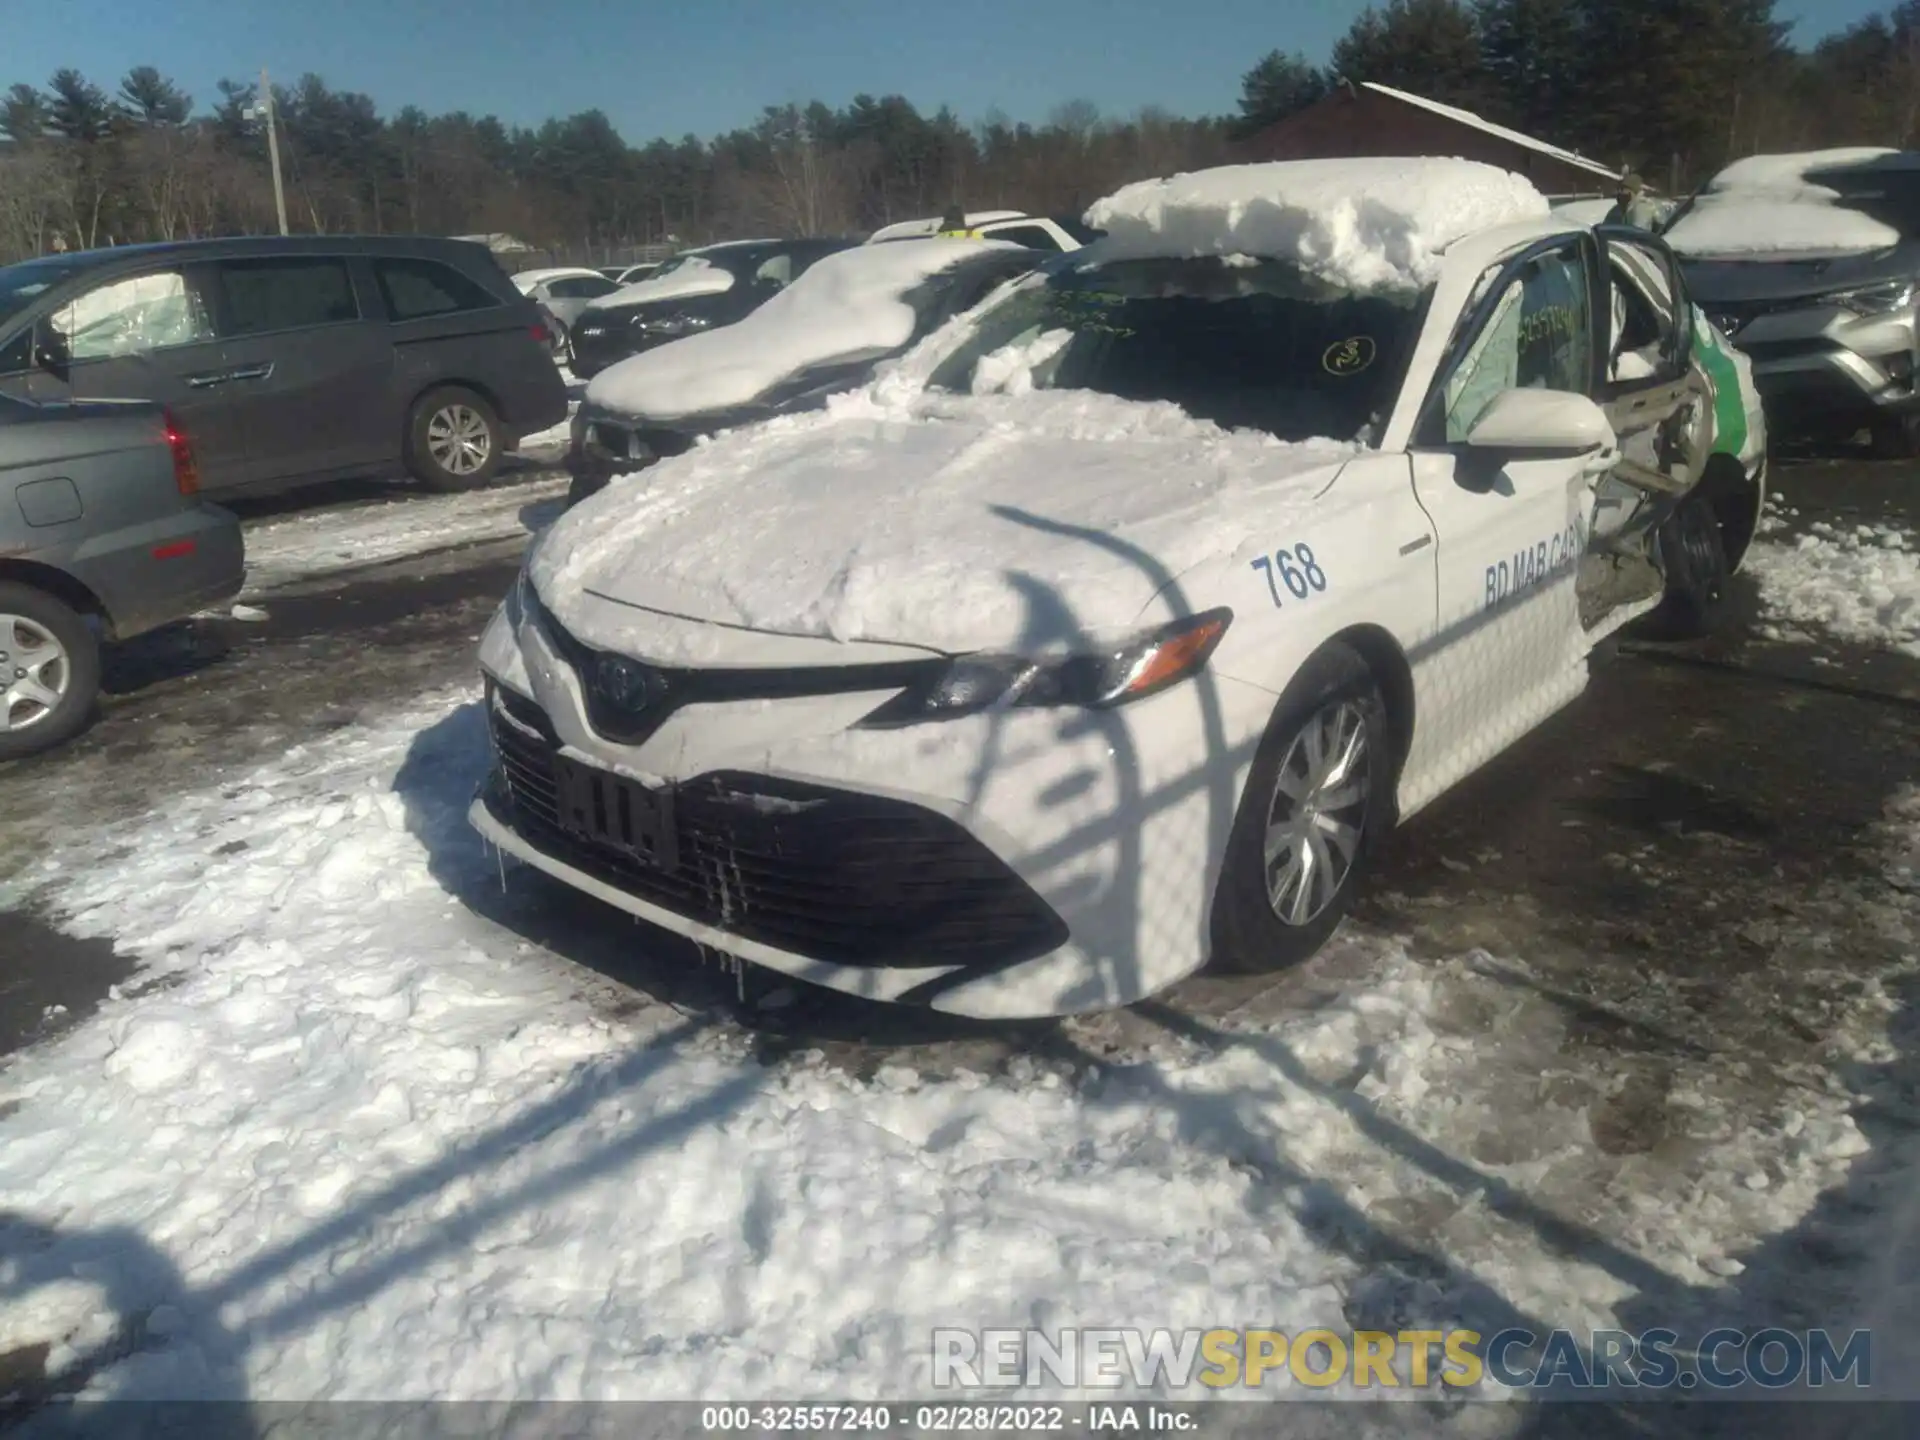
(1730, 227)
(692, 274)
(1784, 176)
(525, 278)
(849, 305)
(1765, 205)
(1516, 137)
(1369, 223)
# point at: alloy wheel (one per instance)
(458, 439)
(1317, 815)
(35, 672)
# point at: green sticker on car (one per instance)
(1723, 375)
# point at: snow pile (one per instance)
(1718, 229)
(323, 542)
(1366, 224)
(365, 1145)
(945, 521)
(1784, 176)
(849, 306)
(1765, 205)
(1861, 583)
(690, 275)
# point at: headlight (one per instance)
(1138, 666)
(1876, 299)
(674, 324)
(521, 599)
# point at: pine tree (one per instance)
(1277, 86)
(23, 115)
(78, 109)
(1428, 47)
(1535, 60)
(1666, 80)
(152, 99)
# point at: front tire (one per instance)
(49, 671)
(454, 440)
(1318, 798)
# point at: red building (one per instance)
(1371, 119)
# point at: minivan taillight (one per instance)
(186, 475)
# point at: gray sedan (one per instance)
(102, 535)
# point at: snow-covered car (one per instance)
(694, 291)
(823, 335)
(1016, 227)
(1105, 633)
(1811, 263)
(563, 292)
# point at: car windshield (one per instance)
(21, 285)
(1244, 343)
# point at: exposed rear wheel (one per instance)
(1693, 556)
(454, 440)
(1319, 796)
(49, 671)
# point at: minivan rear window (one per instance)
(290, 293)
(414, 289)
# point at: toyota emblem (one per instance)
(628, 684)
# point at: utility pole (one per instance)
(273, 150)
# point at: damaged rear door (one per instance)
(1661, 407)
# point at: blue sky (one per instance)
(673, 67)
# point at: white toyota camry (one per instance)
(1101, 635)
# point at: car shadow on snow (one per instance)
(171, 652)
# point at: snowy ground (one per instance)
(1625, 1036)
(1860, 582)
(303, 546)
(351, 1111)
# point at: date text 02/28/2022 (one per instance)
(963, 1418)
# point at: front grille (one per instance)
(655, 442)
(675, 688)
(830, 874)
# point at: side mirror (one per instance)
(50, 351)
(1541, 425)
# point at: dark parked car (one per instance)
(696, 290)
(101, 524)
(293, 359)
(825, 335)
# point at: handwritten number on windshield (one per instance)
(1296, 569)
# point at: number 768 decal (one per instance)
(1295, 568)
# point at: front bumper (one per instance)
(1020, 864)
(1817, 362)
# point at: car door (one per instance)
(307, 368)
(1659, 405)
(1509, 535)
(148, 335)
(569, 295)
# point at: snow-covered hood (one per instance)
(847, 307)
(702, 278)
(1000, 522)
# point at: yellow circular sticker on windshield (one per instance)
(1348, 357)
